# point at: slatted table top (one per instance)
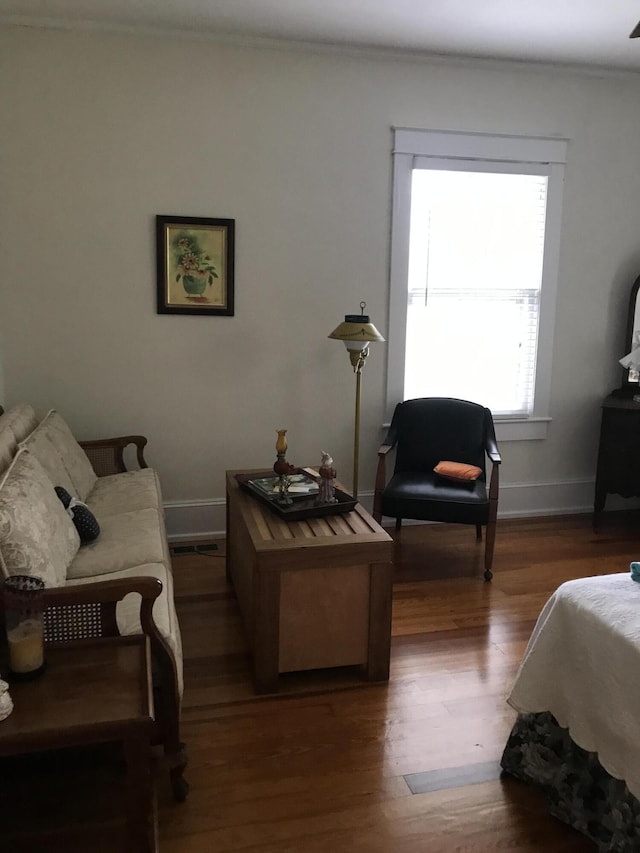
(268, 530)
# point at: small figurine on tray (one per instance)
(327, 472)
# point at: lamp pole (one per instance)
(359, 364)
(356, 436)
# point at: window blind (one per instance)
(474, 285)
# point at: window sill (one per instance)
(515, 429)
(522, 429)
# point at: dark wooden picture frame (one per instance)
(195, 265)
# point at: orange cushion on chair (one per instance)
(458, 470)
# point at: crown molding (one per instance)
(388, 54)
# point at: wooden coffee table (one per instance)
(93, 691)
(314, 593)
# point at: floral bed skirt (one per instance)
(578, 789)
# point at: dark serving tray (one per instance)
(302, 506)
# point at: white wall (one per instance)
(102, 131)
(2, 394)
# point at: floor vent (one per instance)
(452, 777)
(202, 548)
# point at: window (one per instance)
(475, 239)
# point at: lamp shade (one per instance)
(356, 332)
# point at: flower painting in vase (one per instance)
(195, 265)
(195, 260)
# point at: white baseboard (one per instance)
(207, 518)
(195, 519)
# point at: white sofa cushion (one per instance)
(15, 424)
(75, 460)
(39, 444)
(128, 539)
(22, 420)
(37, 536)
(164, 612)
(127, 492)
(8, 444)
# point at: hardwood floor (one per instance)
(333, 764)
(329, 763)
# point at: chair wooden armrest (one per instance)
(493, 489)
(493, 453)
(69, 602)
(381, 480)
(491, 449)
(107, 454)
(89, 610)
(496, 460)
(491, 444)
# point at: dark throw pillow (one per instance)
(84, 520)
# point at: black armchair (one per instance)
(428, 431)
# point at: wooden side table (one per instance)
(93, 691)
(618, 469)
(314, 593)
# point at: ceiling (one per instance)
(582, 32)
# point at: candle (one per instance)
(26, 646)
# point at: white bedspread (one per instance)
(582, 664)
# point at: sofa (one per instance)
(119, 583)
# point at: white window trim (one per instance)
(410, 145)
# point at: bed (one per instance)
(577, 694)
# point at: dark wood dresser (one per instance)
(618, 470)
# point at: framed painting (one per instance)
(195, 265)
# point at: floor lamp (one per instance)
(357, 333)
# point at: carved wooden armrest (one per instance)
(89, 609)
(107, 454)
